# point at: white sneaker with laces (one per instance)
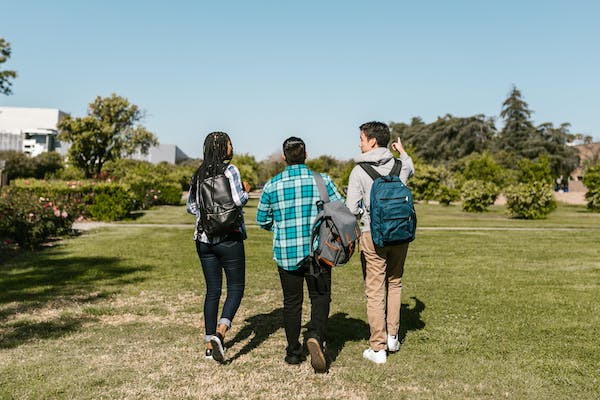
(378, 357)
(393, 343)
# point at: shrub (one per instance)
(170, 194)
(591, 179)
(482, 167)
(150, 184)
(478, 195)
(446, 195)
(18, 165)
(535, 171)
(81, 195)
(30, 220)
(111, 204)
(426, 182)
(530, 201)
(47, 164)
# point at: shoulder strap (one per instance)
(370, 170)
(321, 186)
(396, 168)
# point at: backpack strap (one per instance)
(314, 269)
(396, 168)
(321, 186)
(370, 170)
(374, 174)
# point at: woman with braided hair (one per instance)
(222, 251)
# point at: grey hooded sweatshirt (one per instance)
(358, 198)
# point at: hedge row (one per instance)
(31, 211)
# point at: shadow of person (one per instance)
(340, 330)
(261, 326)
(410, 318)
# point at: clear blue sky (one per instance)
(266, 70)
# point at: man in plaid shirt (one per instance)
(287, 207)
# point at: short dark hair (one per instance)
(294, 150)
(377, 130)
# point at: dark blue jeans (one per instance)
(319, 291)
(227, 256)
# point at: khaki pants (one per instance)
(382, 271)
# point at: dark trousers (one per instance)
(227, 256)
(319, 290)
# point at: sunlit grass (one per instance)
(116, 313)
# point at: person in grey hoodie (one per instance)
(382, 266)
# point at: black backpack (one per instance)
(219, 215)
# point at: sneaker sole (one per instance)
(317, 358)
(378, 362)
(218, 353)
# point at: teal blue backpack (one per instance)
(392, 212)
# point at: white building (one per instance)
(33, 131)
(30, 130)
(163, 152)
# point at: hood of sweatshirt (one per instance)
(377, 156)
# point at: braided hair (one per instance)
(215, 159)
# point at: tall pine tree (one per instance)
(518, 132)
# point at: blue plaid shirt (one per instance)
(288, 207)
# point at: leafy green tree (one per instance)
(338, 170)
(270, 167)
(426, 183)
(446, 139)
(18, 165)
(5, 76)
(535, 171)
(482, 167)
(47, 163)
(563, 158)
(248, 167)
(591, 179)
(109, 131)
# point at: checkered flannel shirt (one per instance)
(287, 207)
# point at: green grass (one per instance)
(116, 313)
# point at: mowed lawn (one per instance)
(492, 308)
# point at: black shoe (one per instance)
(208, 354)
(295, 359)
(218, 349)
(317, 358)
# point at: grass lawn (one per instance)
(116, 313)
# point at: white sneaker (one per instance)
(378, 357)
(393, 343)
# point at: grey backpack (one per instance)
(334, 231)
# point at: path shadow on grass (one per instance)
(261, 326)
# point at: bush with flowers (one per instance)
(81, 195)
(30, 220)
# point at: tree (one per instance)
(109, 131)
(448, 138)
(248, 167)
(270, 167)
(518, 134)
(555, 141)
(5, 76)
